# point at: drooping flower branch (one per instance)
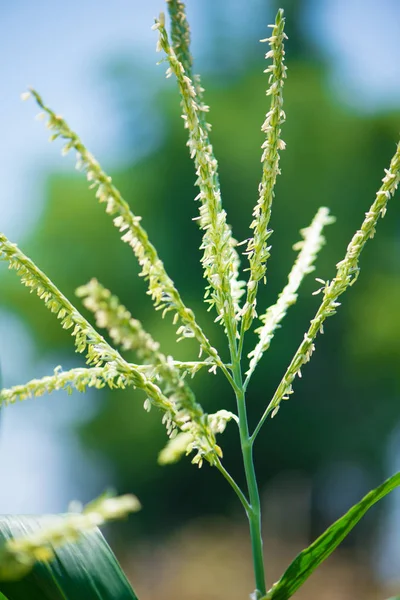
(179, 411)
(98, 352)
(182, 443)
(86, 337)
(257, 248)
(79, 379)
(113, 316)
(110, 314)
(309, 247)
(161, 287)
(220, 260)
(127, 332)
(346, 275)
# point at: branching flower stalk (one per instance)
(220, 266)
(162, 378)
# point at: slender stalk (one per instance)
(224, 369)
(247, 381)
(234, 486)
(261, 422)
(240, 345)
(254, 509)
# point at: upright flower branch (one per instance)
(180, 36)
(257, 248)
(346, 275)
(219, 259)
(220, 264)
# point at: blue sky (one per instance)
(60, 49)
(361, 39)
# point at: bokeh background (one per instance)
(95, 63)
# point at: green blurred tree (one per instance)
(345, 406)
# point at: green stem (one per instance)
(227, 375)
(254, 511)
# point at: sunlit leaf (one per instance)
(85, 570)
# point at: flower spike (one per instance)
(309, 247)
(161, 287)
(127, 332)
(180, 34)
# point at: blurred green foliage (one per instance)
(345, 406)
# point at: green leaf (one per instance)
(310, 558)
(85, 570)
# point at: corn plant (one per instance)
(65, 556)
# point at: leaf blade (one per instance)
(310, 558)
